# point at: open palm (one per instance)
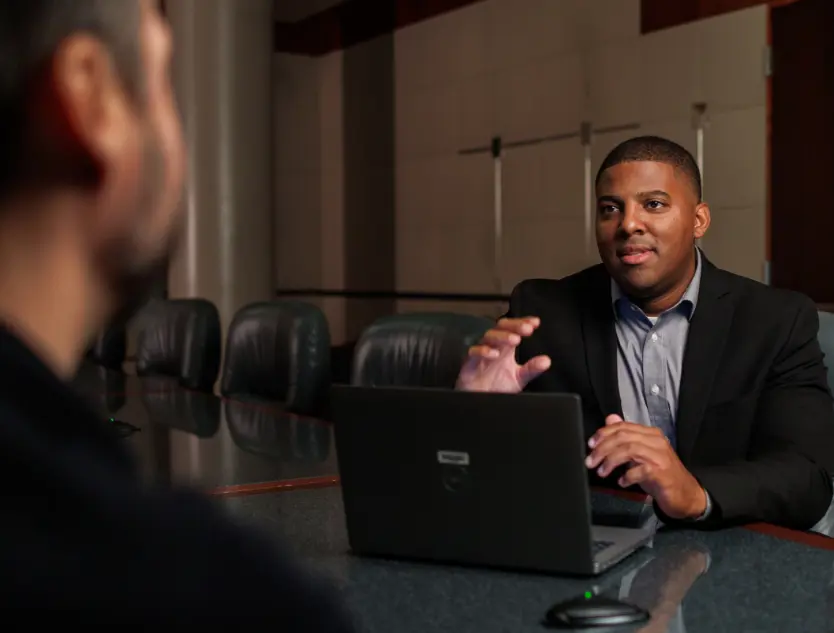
(491, 365)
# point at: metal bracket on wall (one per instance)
(550, 138)
(700, 122)
(768, 61)
(496, 150)
(498, 211)
(586, 135)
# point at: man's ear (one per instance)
(81, 110)
(702, 220)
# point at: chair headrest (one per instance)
(421, 349)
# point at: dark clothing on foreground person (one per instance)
(81, 530)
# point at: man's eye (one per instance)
(654, 204)
(608, 208)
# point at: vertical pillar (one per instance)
(222, 76)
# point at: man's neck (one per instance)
(46, 295)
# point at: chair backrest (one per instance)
(279, 351)
(825, 336)
(109, 348)
(416, 350)
(180, 338)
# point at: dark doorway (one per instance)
(802, 148)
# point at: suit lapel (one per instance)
(600, 341)
(704, 348)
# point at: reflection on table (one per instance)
(107, 390)
(194, 438)
(661, 583)
(253, 428)
(693, 582)
(103, 388)
(188, 411)
(733, 580)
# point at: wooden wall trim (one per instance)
(354, 22)
(663, 14)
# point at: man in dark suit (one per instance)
(705, 389)
(91, 167)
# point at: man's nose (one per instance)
(632, 220)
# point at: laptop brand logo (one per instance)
(453, 458)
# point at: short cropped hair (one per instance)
(30, 33)
(655, 149)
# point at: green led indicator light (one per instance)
(588, 595)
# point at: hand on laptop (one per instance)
(652, 464)
(491, 365)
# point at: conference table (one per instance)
(218, 445)
(736, 580)
(279, 472)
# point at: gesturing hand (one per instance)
(652, 464)
(491, 365)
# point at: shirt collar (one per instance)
(687, 302)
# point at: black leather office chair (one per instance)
(416, 350)
(109, 348)
(279, 351)
(180, 339)
(825, 336)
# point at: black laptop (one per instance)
(474, 478)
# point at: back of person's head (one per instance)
(91, 150)
(655, 149)
(31, 33)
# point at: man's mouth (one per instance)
(635, 255)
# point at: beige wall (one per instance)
(519, 70)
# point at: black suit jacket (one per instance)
(80, 530)
(755, 421)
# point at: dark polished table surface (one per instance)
(695, 582)
(217, 445)
(279, 472)
(106, 388)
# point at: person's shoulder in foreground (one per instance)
(81, 531)
(91, 172)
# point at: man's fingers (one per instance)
(638, 446)
(522, 327)
(478, 352)
(613, 427)
(636, 476)
(501, 338)
(506, 333)
(493, 343)
(622, 454)
(533, 368)
(613, 419)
